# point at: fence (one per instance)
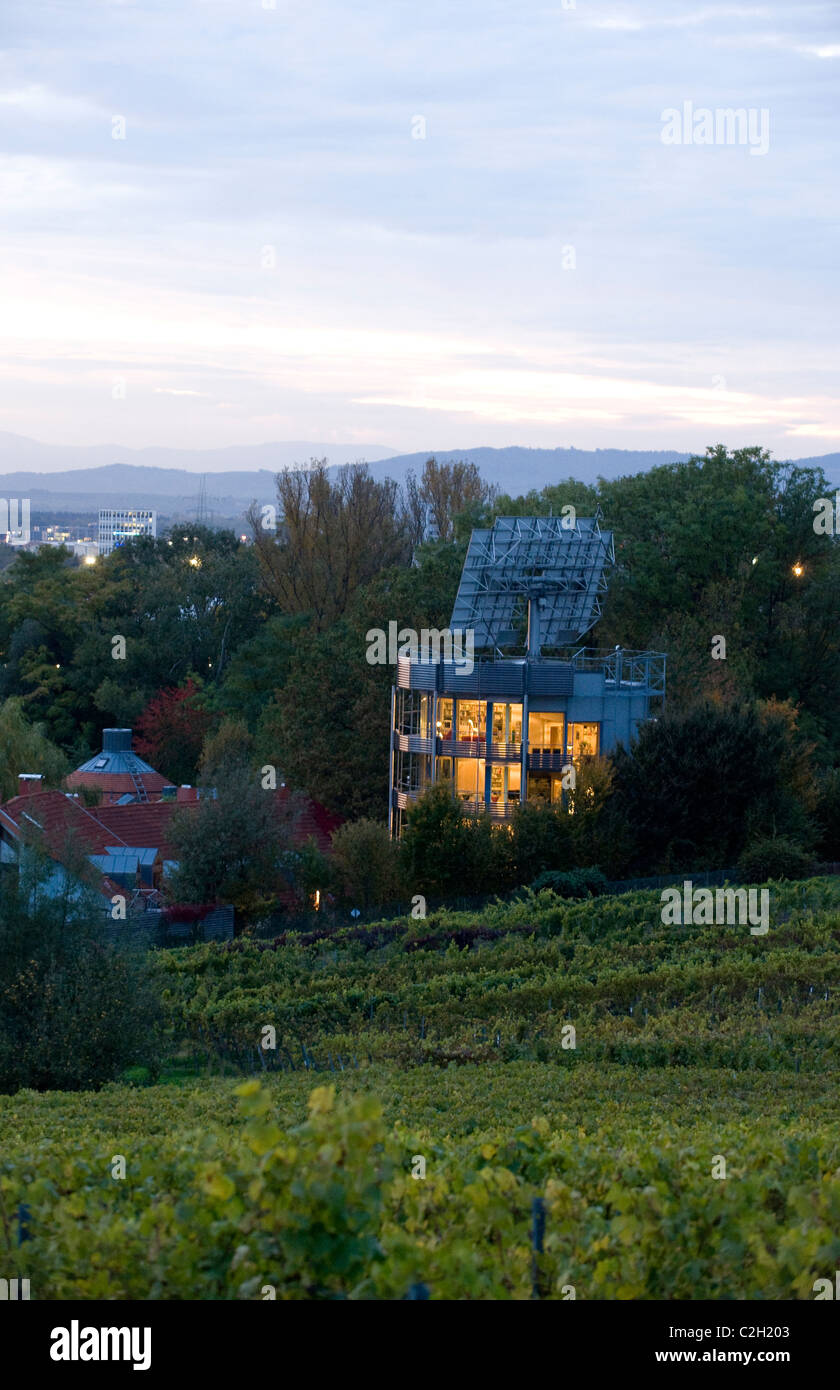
(153, 928)
(332, 918)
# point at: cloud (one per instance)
(173, 391)
(36, 101)
(828, 50)
(415, 284)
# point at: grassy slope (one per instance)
(224, 1195)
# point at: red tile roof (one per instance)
(140, 825)
(57, 816)
(113, 785)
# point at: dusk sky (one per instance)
(417, 225)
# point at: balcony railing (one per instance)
(413, 743)
(471, 806)
(539, 759)
(548, 760)
(497, 810)
(624, 669)
(510, 677)
(479, 748)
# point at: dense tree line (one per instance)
(273, 634)
(77, 1006)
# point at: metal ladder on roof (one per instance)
(142, 794)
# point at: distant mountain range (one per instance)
(65, 478)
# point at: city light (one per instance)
(798, 569)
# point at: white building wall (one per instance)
(118, 525)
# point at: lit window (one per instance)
(583, 740)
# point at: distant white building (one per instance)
(14, 521)
(118, 526)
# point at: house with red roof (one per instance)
(123, 838)
(118, 773)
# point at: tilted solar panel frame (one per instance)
(521, 558)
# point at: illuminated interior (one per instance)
(507, 723)
(469, 779)
(492, 781)
(472, 720)
(545, 787)
(546, 731)
(505, 784)
(583, 741)
(444, 719)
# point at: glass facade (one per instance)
(116, 527)
(412, 772)
(546, 786)
(507, 723)
(547, 731)
(471, 720)
(414, 713)
(445, 716)
(583, 741)
(485, 775)
(469, 779)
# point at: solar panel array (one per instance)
(561, 568)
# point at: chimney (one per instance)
(116, 740)
(187, 793)
(29, 782)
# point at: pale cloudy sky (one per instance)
(271, 253)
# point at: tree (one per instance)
(76, 1008)
(310, 874)
(41, 622)
(445, 853)
(434, 844)
(24, 747)
(231, 847)
(366, 862)
(697, 785)
(170, 732)
(230, 745)
(327, 725)
(551, 500)
(587, 802)
(182, 604)
(336, 534)
(541, 839)
(828, 815)
(722, 546)
(444, 492)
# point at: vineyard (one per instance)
(423, 1101)
(512, 985)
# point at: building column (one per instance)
(523, 776)
(391, 807)
(488, 733)
(434, 736)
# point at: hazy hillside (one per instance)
(73, 478)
